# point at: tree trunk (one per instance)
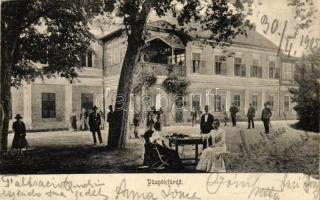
(118, 127)
(6, 63)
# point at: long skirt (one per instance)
(211, 161)
(19, 142)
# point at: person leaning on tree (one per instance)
(265, 117)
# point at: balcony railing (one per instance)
(162, 69)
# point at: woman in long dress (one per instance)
(210, 160)
(154, 138)
(19, 139)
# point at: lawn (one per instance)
(285, 150)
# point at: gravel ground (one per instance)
(288, 150)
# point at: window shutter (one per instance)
(224, 68)
(251, 71)
(243, 70)
(260, 72)
(203, 67)
(277, 73)
(271, 72)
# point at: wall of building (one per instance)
(114, 54)
(229, 85)
(38, 122)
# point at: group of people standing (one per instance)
(84, 120)
(265, 116)
(214, 137)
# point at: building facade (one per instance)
(49, 103)
(249, 71)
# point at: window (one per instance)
(239, 69)
(274, 71)
(256, 71)
(255, 102)
(286, 103)
(86, 59)
(196, 57)
(271, 101)
(237, 66)
(220, 65)
(83, 60)
(196, 101)
(217, 103)
(180, 59)
(237, 100)
(89, 59)
(177, 59)
(87, 101)
(287, 71)
(48, 105)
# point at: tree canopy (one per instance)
(307, 94)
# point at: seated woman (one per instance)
(210, 160)
(154, 139)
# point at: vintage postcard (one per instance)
(166, 99)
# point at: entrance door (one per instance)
(87, 101)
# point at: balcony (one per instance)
(162, 69)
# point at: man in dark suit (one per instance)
(233, 112)
(206, 124)
(265, 117)
(94, 123)
(250, 115)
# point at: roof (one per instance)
(253, 37)
(170, 39)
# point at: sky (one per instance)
(277, 13)
(280, 11)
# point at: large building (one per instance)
(247, 72)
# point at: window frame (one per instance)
(217, 103)
(286, 73)
(271, 103)
(236, 101)
(196, 69)
(253, 102)
(285, 108)
(237, 65)
(52, 105)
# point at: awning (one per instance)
(170, 39)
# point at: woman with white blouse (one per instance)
(210, 160)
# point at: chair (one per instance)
(225, 157)
(162, 162)
(153, 158)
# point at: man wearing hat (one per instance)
(265, 117)
(94, 123)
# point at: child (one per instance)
(225, 116)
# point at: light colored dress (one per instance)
(210, 160)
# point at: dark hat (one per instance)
(95, 108)
(18, 116)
